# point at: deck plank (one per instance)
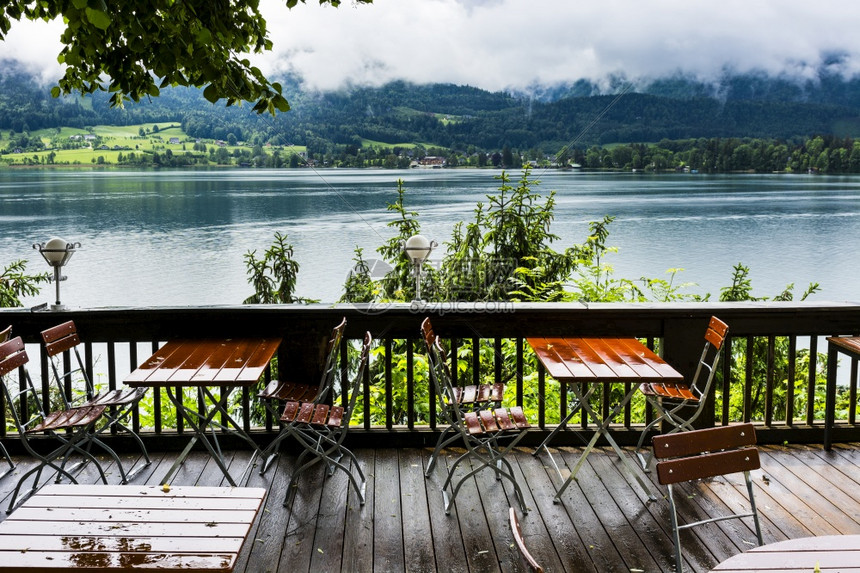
(602, 524)
(418, 548)
(468, 512)
(358, 533)
(387, 514)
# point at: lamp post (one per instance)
(57, 253)
(418, 248)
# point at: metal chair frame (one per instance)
(670, 401)
(701, 454)
(62, 340)
(465, 398)
(482, 431)
(320, 429)
(73, 428)
(279, 392)
(4, 336)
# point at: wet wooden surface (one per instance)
(601, 360)
(103, 528)
(229, 362)
(828, 553)
(602, 524)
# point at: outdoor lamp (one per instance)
(417, 248)
(57, 253)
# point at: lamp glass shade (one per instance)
(417, 248)
(55, 250)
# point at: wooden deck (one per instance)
(603, 524)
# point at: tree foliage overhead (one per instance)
(141, 47)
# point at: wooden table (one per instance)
(98, 528)
(835, 345)
(227, 364)
(584, 363)
(831, 553)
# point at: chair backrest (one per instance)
(427, 332)
(355, 387)
(330, 367)
(24, 397)
(715, 335)
(440, 374)
(698, 454)
(57, 340)
(5, 333)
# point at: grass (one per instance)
(127, 137)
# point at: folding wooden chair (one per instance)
(119, 404)
(278, 392)
(4, 336)
(700, 454)
(678, 405)
(71, 427)
(465, 398)
(483, 431)
(320, 429)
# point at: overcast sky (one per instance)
(512, 44)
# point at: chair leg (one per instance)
(753, 509)
(272, 451)
(643, 454)
(673, 513)
(442, 442)
(495, 461)
(8, 458)
(117, 422)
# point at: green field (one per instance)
(118, 139)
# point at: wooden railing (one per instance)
(769, 343)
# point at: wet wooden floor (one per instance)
(604, 523)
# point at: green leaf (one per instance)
(55, 91)
(211, 93)
(98, 18)
(204, 37)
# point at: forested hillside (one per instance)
(464, 118)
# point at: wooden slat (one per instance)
(707, 465)
(37, 562)
(209, 517)
(320, 415)
(468, 395)
(305, 412)
(708, 440)
(35, 542)
(335, 417)
(488, 421)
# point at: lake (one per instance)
(154, 238)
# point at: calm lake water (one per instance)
(155, 238)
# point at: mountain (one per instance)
(462, 117)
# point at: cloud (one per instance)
(501, 44)
(35, 45)
(514, 44)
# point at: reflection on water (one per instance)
(178, 237)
